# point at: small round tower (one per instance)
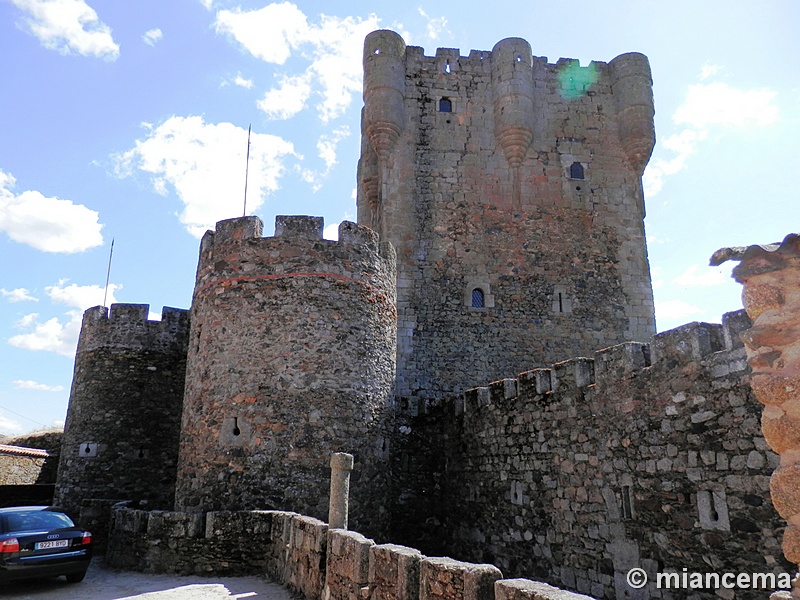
(384, 89)
(123, 421)
(632, 86)
(292, 357)
(512, 86)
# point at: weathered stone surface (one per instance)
(448, 579)
(21, 466)
(123, 423)
(292, 358)
(575, 484)
(771, 278)
(481, 195)
(525, 589)
(394, 572)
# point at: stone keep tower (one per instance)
(511, 190)
(292, 357)
(123, 422)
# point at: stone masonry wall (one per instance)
(292, 358)
(303, 554)
(20, 470)
(123, 422)
(484, 197)
(645, 456)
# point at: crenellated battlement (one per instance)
(289, 332)
(127, 327)
(610, 367)
(236, 252)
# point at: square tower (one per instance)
(511, 189)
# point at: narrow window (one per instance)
(576, 171)
(447, 67)
(445, 105)
(477, 298)
(627, 502)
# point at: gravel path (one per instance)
(105, 584)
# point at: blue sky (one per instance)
(128, 121)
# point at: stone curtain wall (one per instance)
(481, 198)
(123, 422)
(646, 456)
(292, 358)
(20, 470)
(44, 440)
(303, 554)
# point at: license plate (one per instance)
(54, 544)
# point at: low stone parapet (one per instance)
(303, 554)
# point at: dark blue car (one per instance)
(42, 541)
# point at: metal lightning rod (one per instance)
(247, 170)
(108, 272)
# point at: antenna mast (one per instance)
(108, 272)
(247, 170)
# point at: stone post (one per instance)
(341, 465)
(771, 296)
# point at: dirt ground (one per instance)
(105, 584)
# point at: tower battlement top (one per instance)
(293, 229)
(127, 327)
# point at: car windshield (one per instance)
(35, 520)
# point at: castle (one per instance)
(500, 234)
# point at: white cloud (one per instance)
(708, 106)
(205, 165)
(18, 295)
(708, 70)
(152, 36)
(60, 335)
(9, 426)
(207, 3)
(326, 146)
(331, 232)
(26, 321)
(436, 25)
(326, 150)
(333, 48)
(69, 27)
(288, 99)
(676, 310)
(720, 104)
(694, 276)
(47, 224)
(27, 384)
(242, 82)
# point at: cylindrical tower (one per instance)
(632, 86)
(291, 358)
(512, 83)
(384, 90)
(368, 182)
(123, 421)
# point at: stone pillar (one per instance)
(341, 465)
(771, 296)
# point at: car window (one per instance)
(36, 521)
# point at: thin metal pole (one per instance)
(108, 273)
(247, 170)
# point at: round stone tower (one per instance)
(291, 358)
(512, 84)
(383, 117)
(123, 422)
(632, 86)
